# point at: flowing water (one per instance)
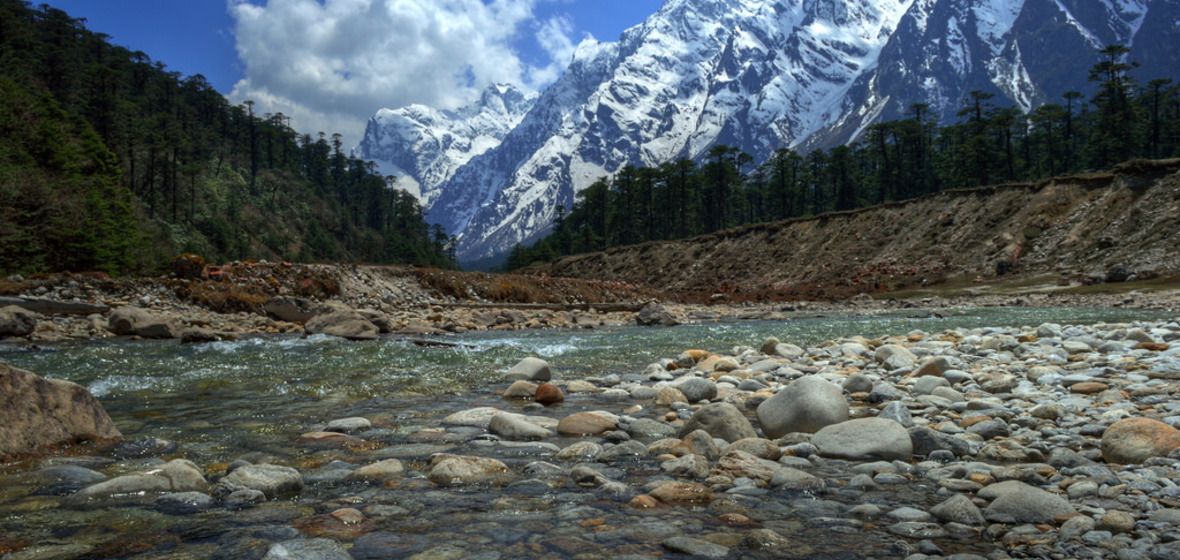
(222, 401)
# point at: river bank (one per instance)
(413, 302)
(995, 442)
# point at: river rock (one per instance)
(695, 547)
(379, 320)
(123, 320)
(516, 428)
(160, 327)
(272, 480)
(177, 475)
(344, 323)
(668, 394)
(683, 494)
(737, 464)
(307, 549)
(654, 314)
(696, 389)
(959, 509)
(806, 405)
(893, 356)
(521, 389)
(758, 447)
(36, 412)
(326, 440)
(17, 321)
(865, 439)
(699, 442)
(585, 424)
(291, 309)
(688, 466)
(1021, 503)
(447, 469)
(795, 479)
(1134, 440)
(183, 503)
(531, 369)
(548, 394)
(349, 425)
(379, 470)
(648, 428)
(721, 420)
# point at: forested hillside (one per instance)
(1125, 118)
(111, 162)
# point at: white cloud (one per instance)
(330, 64)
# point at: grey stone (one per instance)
(721, 420)
(272, 480)
(898, 412)
(177, 475)
(17, 321)
(959, 509)
(654, 314)
(515, 428)
(530, 369)
(696, 547)
(307, 549)
(1021, 503)
(806, 405)
(865, 439)
(344, 323)
(36, 412)
(696, 389)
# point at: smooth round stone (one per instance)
(721, 420)
(806, 405)
(696, 389)
(580, 451)
(379, 470)
(177, 475)
(683, 494)
(648, 428)
(317, 549)
(688, 466)
(349, 425)
(908, 514)
(531, 369)
(272, 480)
(326, 440)
(516, 428)
(456, 469)
(695, 547)
(1135, 440)
(520, 389)
(585, 424)
(959, 509)
(865, 439)
(927, 385)
(1021, 503)
(758, 447)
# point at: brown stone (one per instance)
(1152, 346)
(697, 355)
(548, 394)
(521, 389)
(1134, 440)
(584, 424)
(643, 501)
(1088, 388)
(326, 440)
(683, 494)
(37, 412)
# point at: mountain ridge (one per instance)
(766, 74)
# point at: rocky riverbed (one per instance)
(1052, 441)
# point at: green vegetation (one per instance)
(894, 160)
(112, 163)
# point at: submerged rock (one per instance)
(36, 412)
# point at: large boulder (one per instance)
(345, 323)
(37, 412)
(1135, 440)
(17, 321)
(131, 320)
(722, 420)
(654, 314)
(865, 439)
(806, 405)
(291, 309)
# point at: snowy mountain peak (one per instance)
(756, 74)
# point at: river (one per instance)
(222, 401)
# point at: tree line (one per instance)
(114, 163)
(890, 161)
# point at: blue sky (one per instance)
(330, 64)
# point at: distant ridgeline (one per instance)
(109, 162)
(894, 160)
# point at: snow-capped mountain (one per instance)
(423, 146)
(759, 75)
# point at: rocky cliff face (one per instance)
(1086, 228)
(759, 75)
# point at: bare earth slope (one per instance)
(1084, 228)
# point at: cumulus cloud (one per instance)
(330, 64)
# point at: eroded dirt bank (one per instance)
(1075, 230)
